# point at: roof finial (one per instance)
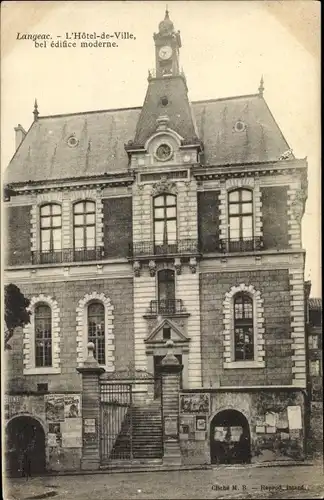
(166, 26)
(35, 112)
(261, 88)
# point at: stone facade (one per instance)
(169, 149)
(274, 433)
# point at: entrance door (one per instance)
(25, 433)
(157, 374)
(230, 438)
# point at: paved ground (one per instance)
(222, 483)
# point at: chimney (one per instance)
(20, 135)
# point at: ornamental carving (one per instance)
(152, 268)
(164, 186)
(298, 204)
(177, 265)
(137, 268)
(193, 264)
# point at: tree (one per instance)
(16, 311)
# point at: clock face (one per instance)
(165, 52)
(163, 152)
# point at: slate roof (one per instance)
(45, 154)
(178, 109)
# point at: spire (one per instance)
(261, 88)
(166, 26)
(35, 112)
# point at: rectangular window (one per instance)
(96, 330)
(84, 230)
(313, 342)
(50, 233)
(240, 212)
(243, 328)
(314, 368)
(165, 223)
(166, 291)
(43, 336)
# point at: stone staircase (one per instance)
(141, 434)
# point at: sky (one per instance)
(227, 46)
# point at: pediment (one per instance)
(177, 335)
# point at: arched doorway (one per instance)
(230, 440)
(25, 432)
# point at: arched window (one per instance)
(96, 330)
(165, 223)
(50, 229)
(166, 291)
(240, 212)
(84, 230)
(243, 327)
(43, 335)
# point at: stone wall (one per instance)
(63, 432)
(274, 288)
(275, 433)
(68, 295)
(315, 444)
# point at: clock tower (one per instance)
(167, 44)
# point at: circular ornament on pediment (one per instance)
(72, 141)
(239, 126)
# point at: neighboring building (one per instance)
(315, 374)
(314, 339)
(174, 220)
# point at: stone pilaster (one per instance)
(171, 372)
(90, 372)
(297, 303)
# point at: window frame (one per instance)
(165, 218)
(29, 337)
(43, 337)
(314, 362)
(82, 329)
(84, 224)
(95, 338)
(241, 214)
(170, 301)
(244, 323)
(50, 227)
(229, 334)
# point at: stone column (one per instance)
(171, 371)
(90, 372)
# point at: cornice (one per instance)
(71, 184)
(249, 169)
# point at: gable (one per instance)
(156, 335)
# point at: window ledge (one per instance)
(169, 315)
(244, 364)
(44, 370)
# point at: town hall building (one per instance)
(173, 229)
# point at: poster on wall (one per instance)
(201, 423)
(72, 406)
(72, 433)
(54, 408)
(194, 403)
(54, 434)
(294, 417)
